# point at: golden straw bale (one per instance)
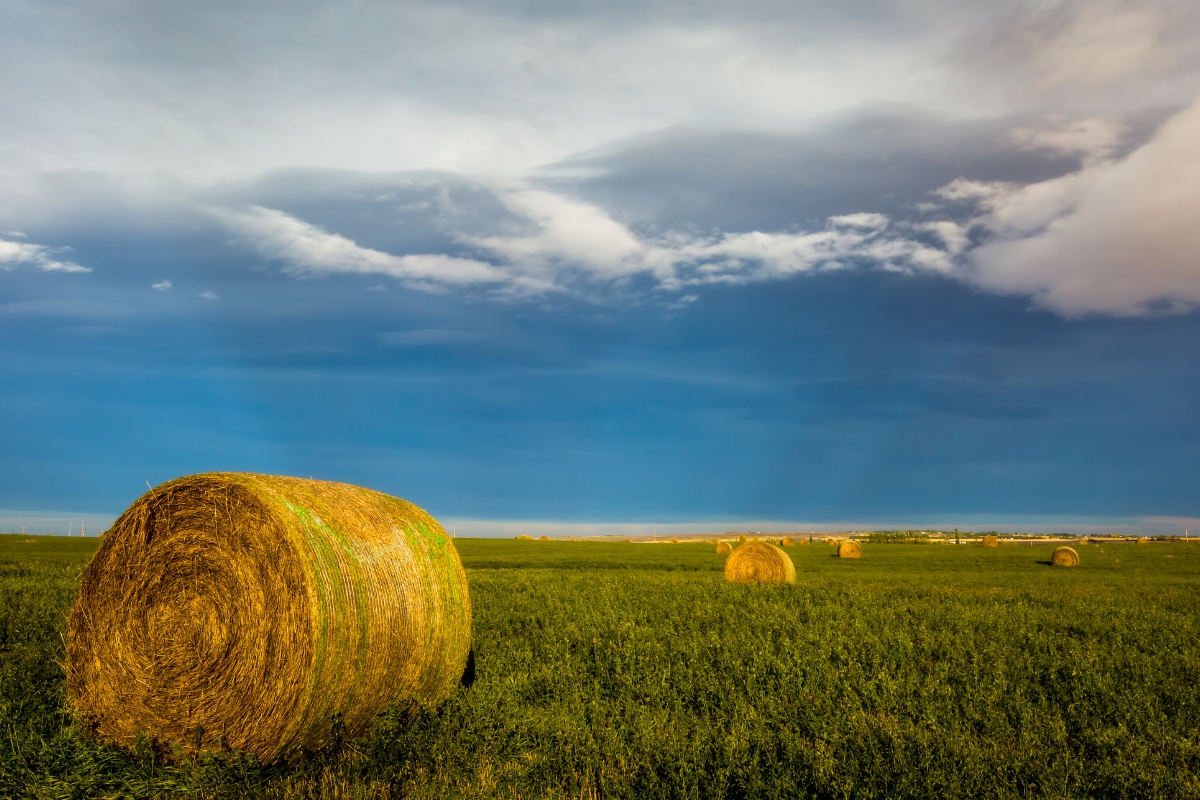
(991, 541)
(742, 539)
(723, 548)
(759, 562)
(543, 538)
(270, 614)
(1143, 540)
(831, 542)
(523, 536)
(850, 549)
(787, 541)
(674, 541)
(804, 542)
(1064, 557)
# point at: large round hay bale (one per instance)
(759, 562)
(991, 541)
(268, 614)
(850, 549)
(787, 541)
(1064, 557)
(723, 548)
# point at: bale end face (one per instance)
(759, 562)
(1064, 557)
(850, 549)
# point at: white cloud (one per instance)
(209, 295)
(40, 256)
(307, 251)
(1118, 238)
(1094, 139)
(162, 286)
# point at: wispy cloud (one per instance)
(573, 241)
(308, 251)
(426, 336)
(208, 296)
(162, 286)
(44, 258)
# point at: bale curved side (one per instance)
(850, 549)
(1064, 557)
(264, 613)
(787, 541)
(723, 548)
(1143, 540)
(991, 541)
(759, 562)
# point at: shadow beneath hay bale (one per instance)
(1046, 563)
(468, 676)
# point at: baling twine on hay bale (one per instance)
(723, 548)
(991, 541)
(268, 614)
(1064, 557)
(849, 549)
(759, 562)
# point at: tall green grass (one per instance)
(623, 670)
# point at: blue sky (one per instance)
(688, 266)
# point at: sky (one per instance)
(607, 267)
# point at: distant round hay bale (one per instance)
(1064, 557)
(742, 539)
(850, 549)
(990, 541)
(523, 536)
(1143, 540)
(543, 538)
(674, 541)
(269, 614)
(787, 541)
(723, 548)
(759, 562)
(831, 542)
(804, 542)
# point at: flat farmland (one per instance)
(634, 670)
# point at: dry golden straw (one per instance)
(723, 548)
(759, 562)
(543, 538)
(1064, 557)
(991, 541)
(1143, 540)
(787, 541)
(264, 613)
(850, 549)
(831, 542)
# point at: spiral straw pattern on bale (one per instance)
(1064, 557)
(849, 549)
(759, 562)
(723, 548)
(264, 613)
(991, 541)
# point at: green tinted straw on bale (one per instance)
(265, 613)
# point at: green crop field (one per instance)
(633, 670)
